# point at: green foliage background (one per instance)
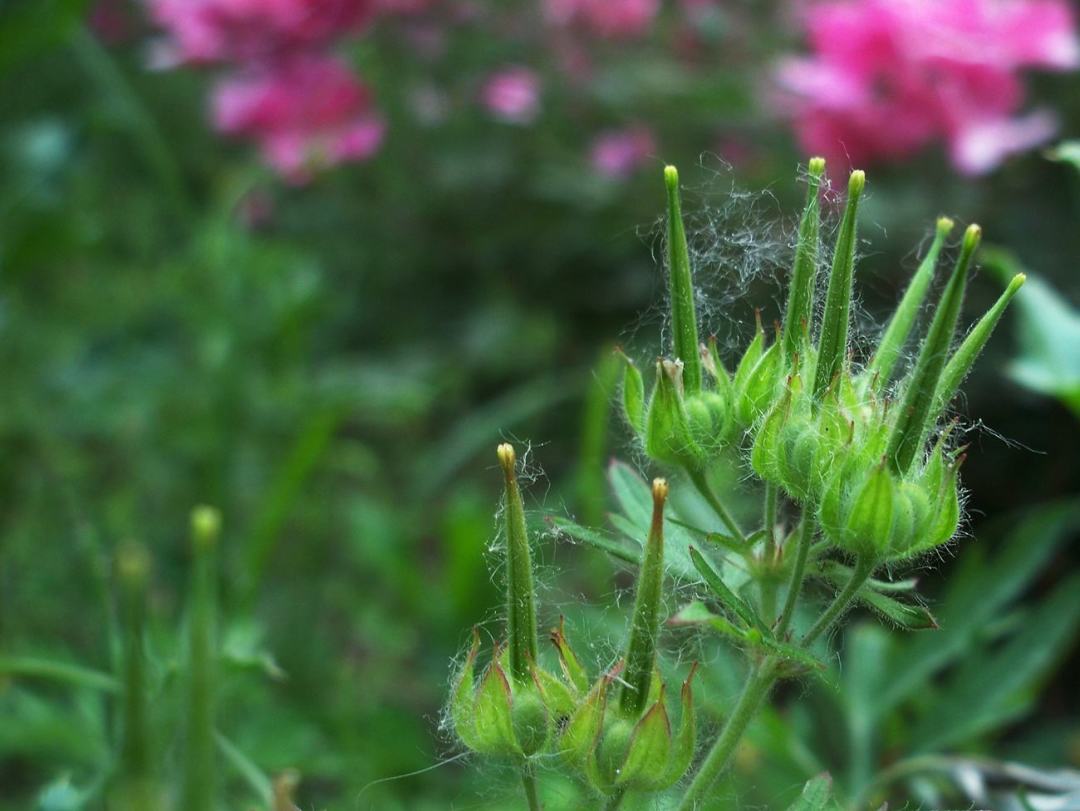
(335, 381)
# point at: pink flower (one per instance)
(306, 113)
(512, 95)
(203, 31)
(887, 77)
(619, 153)
(605, 18)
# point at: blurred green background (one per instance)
(332, 364)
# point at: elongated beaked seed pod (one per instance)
(896, 334)
(520, 596)
(135, 788)
(832, 344)
(683, 311)
(645, 627)
(800, 307)
(912, 422)
(200, 759)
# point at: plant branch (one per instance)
(615, 800)
(720, 755)
(768, 555)
(864, 566)
(528, 780)
(806, 537)
(702, 485)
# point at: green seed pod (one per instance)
(612, 750)
(683, 310)
(832, 343)
(709, 416)
(896, 334)
(964, 358)
(200, 755)
(915, 418)
(529, 719)
(800, 305)
(668, 437)
(520, 597)
(645, 626)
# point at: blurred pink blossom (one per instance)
(619, 153)
(512, 95)
(605, 18)
(887, 77)
(203, 31)
(306, 113)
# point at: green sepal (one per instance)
(750, 357)
(764, 454)
(915, 418)
(649, 751)
(683, 311)
(494, 729)
(633, 394)
(572, 668)
(714, 365)
(800, 306)
(964, 357)
(463, 701)
(667, 429)
(685, 740)
(896, 334)
(756, 393)
(868, 526)
(560, 698)
(582, 731)
(832, 343)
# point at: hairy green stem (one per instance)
(615, 800)
(807, 528)
(702, 485)
(864, 566)
(768, 585)
(528, 781)
(720, 755)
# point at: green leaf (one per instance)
(729, 599)
(696, 613)
(1066, 152)
(815, 796)
(977, 592)
(597, 538)
(990, 689)
(1048, 332)
(904, 615)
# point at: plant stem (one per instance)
(702, 485)
(798, 572)
(615, 800)
(768, 555)
(528, 780)
(864, 565)
(720, 755)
